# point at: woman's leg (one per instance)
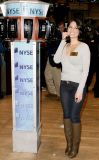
(75, 118)
(66, 104)
(71, 113)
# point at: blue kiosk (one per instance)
(25, 22)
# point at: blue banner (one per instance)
(23, 78)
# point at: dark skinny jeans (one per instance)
(71, 109)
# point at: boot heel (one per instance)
(73, 154)
(68, 150)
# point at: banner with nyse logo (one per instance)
(22, 84)
(24, 8)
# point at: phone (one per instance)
(42, 29)
(67, 39)
(12, 28)
(28, 29)
(3, 28)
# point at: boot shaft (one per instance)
(68, 129)
(68, 135)
(76, 140)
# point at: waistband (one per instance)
(69, 82)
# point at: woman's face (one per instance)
(73, 30)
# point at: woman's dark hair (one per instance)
(79, 26)
(78, 22)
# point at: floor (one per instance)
(52, 136)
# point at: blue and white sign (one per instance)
(24, 8)
(23, 85)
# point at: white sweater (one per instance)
(74, 68)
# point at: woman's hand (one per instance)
(64, 35)
(78, 97)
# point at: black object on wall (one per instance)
(8, 68)
(3, 28)
(12, 28)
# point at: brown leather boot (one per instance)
(76, 140)
(68, 135)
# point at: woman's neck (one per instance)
(74, 41)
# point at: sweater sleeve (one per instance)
(59, 52)
(86, 65)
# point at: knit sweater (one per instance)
(74, 68)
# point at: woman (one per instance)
(75, 59)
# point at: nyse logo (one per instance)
(23, 66)
(16, 90)
(23, 52)
(16, 50)
(16, 78)
(26, 80)
(35, 11)
(26, 93)
(22, 105)
(23, 92)
(29, 80)
(13, 11)
(26, 67)
(16, 64)
(31, 11)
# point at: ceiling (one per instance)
(60, 1)
(48, 1)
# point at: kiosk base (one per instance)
(26, 141)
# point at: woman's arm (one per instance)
(59, 52)
(86, 65)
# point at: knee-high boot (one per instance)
(76, 140)
(68, 135)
